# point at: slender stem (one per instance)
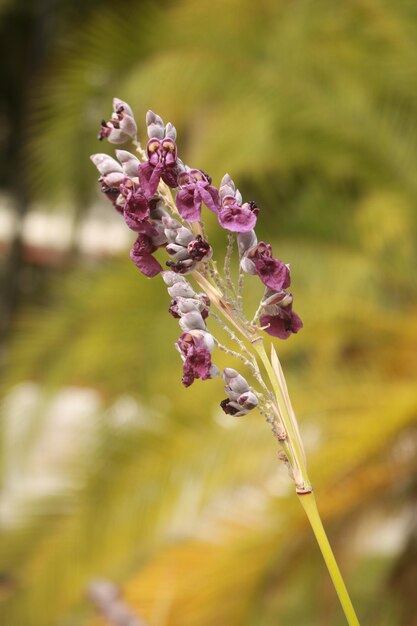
(240, 281)
(308, 502)
(258, 310)
(226, 269)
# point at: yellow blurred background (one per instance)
(111, 470)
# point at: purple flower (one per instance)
(196, 358)
(235, 217)
(273, 273)
(279, 318)
(141, 255)
(283, 325)
(136, 209)
(162, 163)
(195, 188)
(121, 126)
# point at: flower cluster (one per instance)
(162, 200)
(141, 190)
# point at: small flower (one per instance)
(161, 150)
(237, 218)
(196, 357)
(233, 215)
(195, 188)
(279, 320)
(136, 210)
(273, 273)
(121, 126)
(141, 255)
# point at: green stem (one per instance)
(309, 505)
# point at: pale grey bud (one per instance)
(192, 321)
(186, 305)
(183, 290)
(247, 265)
(170, 131)
(238, 196)
(235, 381)
(106, 164)
(129, 163)
(245, 241)
(248, 400)
(178, 253)
(155, 125)
(184, 236)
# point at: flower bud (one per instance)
(170, 131)
(178, 253)
(183, 290)
(106, 164)
(247, 265)
(245, 241)
(240, 398)
(248, 400)
(192, 321)
(227, 187)
(129, 163)
(170, 278)
(186, 305)
(276, 301)
(155, 125)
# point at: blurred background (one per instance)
(110, 469)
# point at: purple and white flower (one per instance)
(273, 273)
(121, 126)
(161, 151)
(195, 188)
(233, 215)
(279, 320)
